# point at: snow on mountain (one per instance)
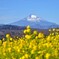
(33, 18)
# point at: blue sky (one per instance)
(14, 10)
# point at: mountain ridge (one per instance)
(35, 22)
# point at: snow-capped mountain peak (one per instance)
(35, 22)
(33, 18)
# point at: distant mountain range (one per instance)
(35, 22)
(11, 27)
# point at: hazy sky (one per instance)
(14, 10)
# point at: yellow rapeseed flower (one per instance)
(48, 38)
(11, 39)
(40, 35)
(9, 49)
(18, 50)
(13, 57)
(35, 32)
(26, 55)
(47, 45)
(32, 51)
(23, 57)
(28, 27)
(25, 31)
(53, 29)
(37, 57)
(34, 47)
(47, 55)
(4, 44)
(28, 30)
(7, 35)
(27, 36)
(4, 54)
(49, 29)
(3, 39)
(36, 37)
(0, 42)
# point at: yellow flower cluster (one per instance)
(32, 45)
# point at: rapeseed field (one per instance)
(32, 45)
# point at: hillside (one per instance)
(16, 30)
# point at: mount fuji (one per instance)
(35, 22)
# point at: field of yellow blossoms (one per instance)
(31, 46)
